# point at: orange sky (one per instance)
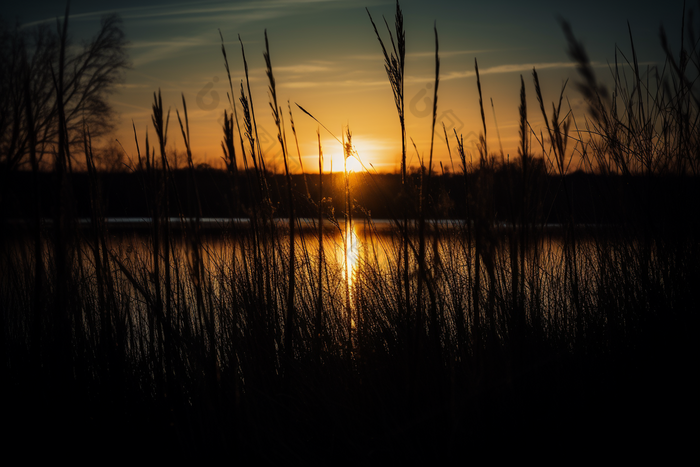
(326, 58)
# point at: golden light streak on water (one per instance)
(351, 243)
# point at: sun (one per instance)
(354, 165)
(337, 162)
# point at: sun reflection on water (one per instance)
(350, 249)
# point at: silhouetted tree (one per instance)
(32, 59)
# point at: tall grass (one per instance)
(261, 343)
(394, 64)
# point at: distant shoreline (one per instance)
(221, 224)
(592, 199)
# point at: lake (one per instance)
(356, 279)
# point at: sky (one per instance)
(326, 58)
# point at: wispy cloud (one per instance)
(132, 86)
(163, 50)
(303, 68)
(373, 57)
(414, 55)
(211, 10)
(177, 42)
(449, 53)
(500, 69)
(320, 84)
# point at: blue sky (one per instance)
(326, 58)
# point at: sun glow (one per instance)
(367, 154)
(353, 165)
(336, 162)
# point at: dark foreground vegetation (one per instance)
(495, 341)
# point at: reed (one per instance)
(394, 65)
(303, 339)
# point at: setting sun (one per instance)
(360, 159)
(352, 164)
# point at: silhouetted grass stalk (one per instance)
(394, 66)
